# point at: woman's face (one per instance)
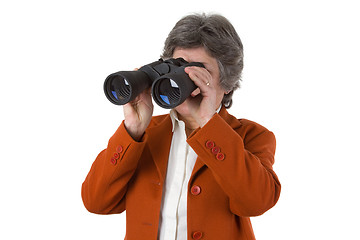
(200, 55)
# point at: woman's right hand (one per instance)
(138, 114)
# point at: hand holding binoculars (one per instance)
(170, 84)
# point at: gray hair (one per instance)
(219, 38)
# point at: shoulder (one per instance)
(251, 125)
(248, 130)
(255, 132)
(241, 124)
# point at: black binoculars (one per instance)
(170, 84)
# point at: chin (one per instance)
(183, 109)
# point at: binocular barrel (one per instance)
(122, 87)
(170, 90)
(170, 84)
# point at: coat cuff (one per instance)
(121, 143)
(204, 139)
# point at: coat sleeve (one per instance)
(105, 186)
(241, 165)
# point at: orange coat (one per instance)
(224, 190)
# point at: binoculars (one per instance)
(170, 84)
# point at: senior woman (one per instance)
(197, 172)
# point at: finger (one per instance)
(200, 76)
(195, 92)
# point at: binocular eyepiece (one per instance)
(170, 84)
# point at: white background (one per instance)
(300, 80)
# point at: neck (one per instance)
(190, 123)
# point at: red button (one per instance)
(113, 161)
(195, 190)
(116, 156)
(197, 235)
(119, 149)
(220, 156)
(215, 150)
(210, 144)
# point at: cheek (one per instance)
(220, 94)
(183, 109)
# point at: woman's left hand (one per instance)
(203, 102)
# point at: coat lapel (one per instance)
(159, 142)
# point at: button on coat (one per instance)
(220, 156)
(197, 235)
(113, 161)
(119, 149)
(195, 190)
(215, 150)
(209, 144)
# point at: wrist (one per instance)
(134, 131)
(203, 121)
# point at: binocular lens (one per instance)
(119, 88)
(169, 91)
